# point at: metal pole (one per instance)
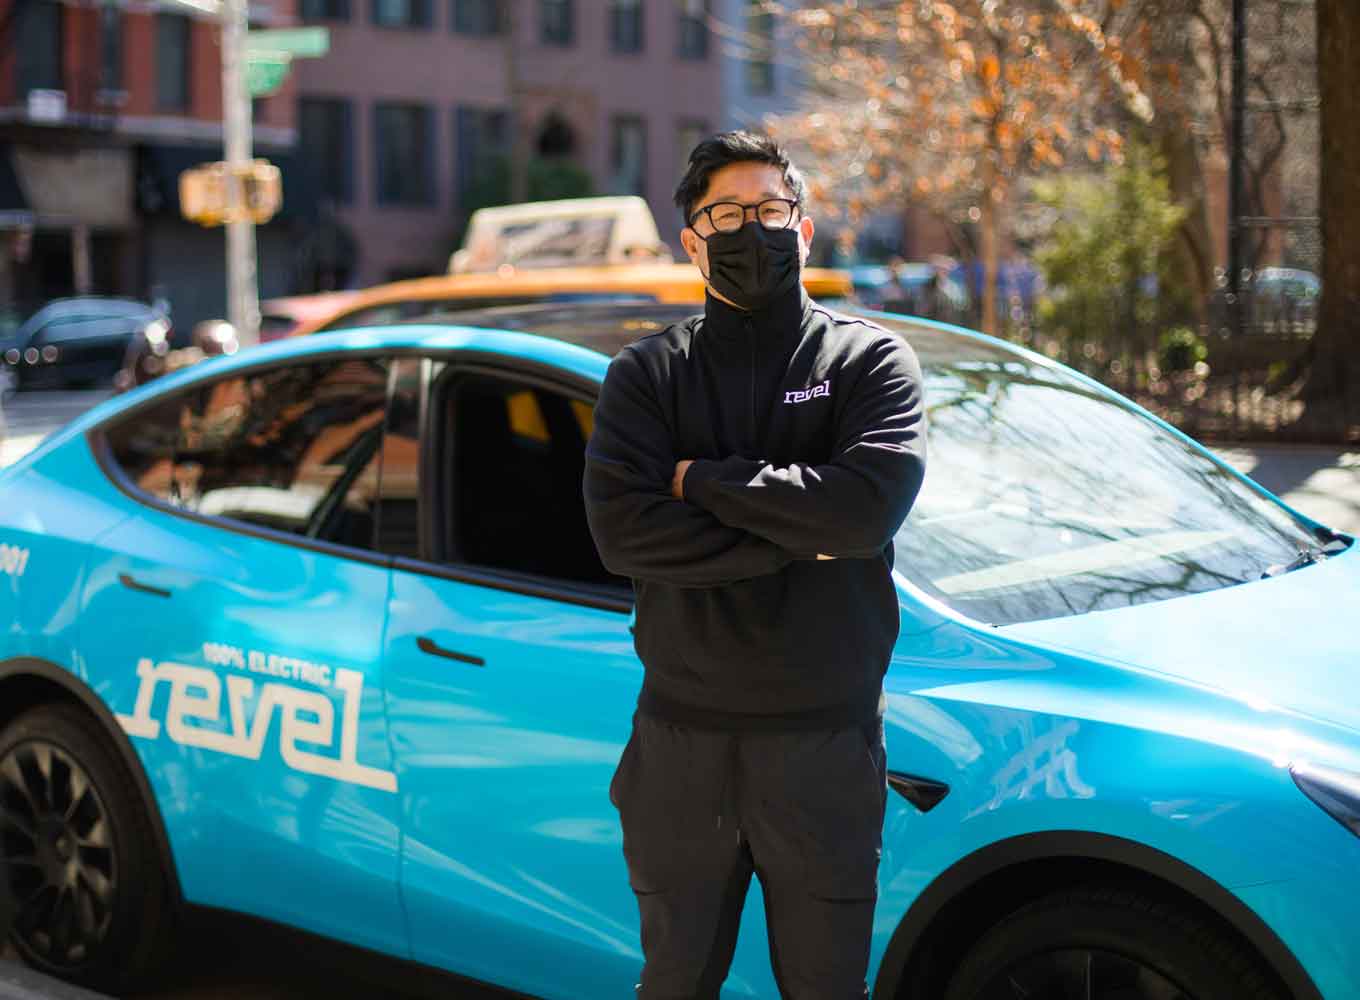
(243, 296)
(1236, 155)
(519, 121)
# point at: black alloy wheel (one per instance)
(1108, 943)
(56, 845)
(1080, 974)
(78, 861)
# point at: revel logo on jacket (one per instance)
(812, 392)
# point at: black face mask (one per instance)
(754, 266)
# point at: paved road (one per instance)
(33, 415)
(221, 956)
(1316, 480)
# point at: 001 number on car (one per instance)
(13, 560)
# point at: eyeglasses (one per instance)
(729, 216)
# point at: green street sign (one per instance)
(265, 72)
(301, 43)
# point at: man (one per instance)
(748, 470)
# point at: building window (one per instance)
(403, 137)
(38, 39)
(110, 47)
(556, 21)
(483, 162)
(760, 56)
(478, 18)
(401, 13)
(174, 33)
(628, 156)
(326, 147)
(625, 25)
(692, 40)
(324, 10)
(688, 134)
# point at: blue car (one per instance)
(317, 633)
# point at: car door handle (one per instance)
(923, 793)
(145, 588)
(428, 645)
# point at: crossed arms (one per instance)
(741, 518)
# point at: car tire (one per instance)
(1096, 942)
(91, 896)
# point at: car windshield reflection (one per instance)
(1046, 497)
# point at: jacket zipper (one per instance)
(751, 346)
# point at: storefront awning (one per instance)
(159, 167)
(64, 187)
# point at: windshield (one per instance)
(1045, 497)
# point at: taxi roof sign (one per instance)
(574, 232)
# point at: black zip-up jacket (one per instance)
(807, 431)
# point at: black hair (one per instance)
(718, 151)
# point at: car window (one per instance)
(68, 328)
(296, 448)
(517, 455)
(429, 307)
(275, 325)
(1045, 496)
(607, 329)
(399, 501)
(418, 309)
(388, 312)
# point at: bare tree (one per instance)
(952, 104)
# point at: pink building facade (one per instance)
(406, 124)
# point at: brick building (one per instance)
(406, 125)
(101, 106)
(386, 144)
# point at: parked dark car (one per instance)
(79, 341)
(150, 353)
(912, 289)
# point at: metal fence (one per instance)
(1242, 380)
(1264, 315)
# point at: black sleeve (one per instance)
(851, 506)
(642, 531)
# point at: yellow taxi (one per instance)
(573, 250)
(662, 283)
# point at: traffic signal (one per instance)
(203, 192)
(263, 190)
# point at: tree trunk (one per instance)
(1192, 252)
(1332, 393)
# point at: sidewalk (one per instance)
(20, 983)
(1316, 480)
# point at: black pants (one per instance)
(703, 810)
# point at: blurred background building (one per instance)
(101, 106)
(610, 97)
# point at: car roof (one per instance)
(302, 308)
(604, 327)
(660, 282)
(107, 305)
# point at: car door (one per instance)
(511, 682)
(234, 624)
